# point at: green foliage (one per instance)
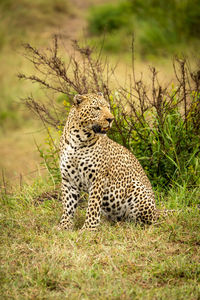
(169, 149)
(160, 125)
(159, 26)
(109, 18)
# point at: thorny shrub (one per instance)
(160, 125)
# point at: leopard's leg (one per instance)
(70, 197)
(142, 206)
(94, 206)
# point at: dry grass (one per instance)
(12, 62)
(120, 261)
(20, 159)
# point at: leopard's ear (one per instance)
(100, 94)
(78, 99)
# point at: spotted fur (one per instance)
(91, 162)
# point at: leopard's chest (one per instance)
(78, 166)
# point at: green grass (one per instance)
(120, 261)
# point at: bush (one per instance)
(110, 17)
(166, 144)
(159, 125)
(158, 25)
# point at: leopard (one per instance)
(108, 172)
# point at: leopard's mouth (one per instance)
(106, 128)
(99, 129)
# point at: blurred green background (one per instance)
(161, 29)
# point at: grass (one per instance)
(26, 160)
(120, 261)
(21, 21)
(25, 19)
(17, 125)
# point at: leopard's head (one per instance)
(93, 112)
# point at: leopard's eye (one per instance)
(97, 108)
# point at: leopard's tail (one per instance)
(162, 214)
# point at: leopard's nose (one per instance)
(109, 120)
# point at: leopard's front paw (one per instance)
(89, 227)
(65, 226)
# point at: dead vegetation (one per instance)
(146, 116)
(86, 71)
